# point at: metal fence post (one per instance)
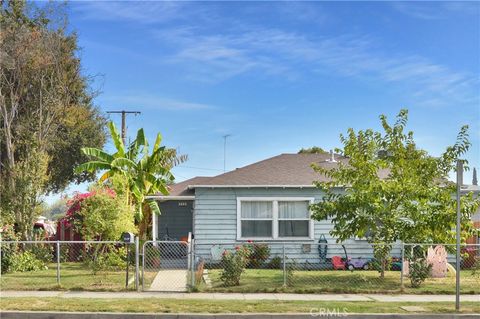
(402, 284)
(0, 256)
(58, 262)
(137, 259)
(192, 264)
(143, 266)
(457, 230)
(284, 268)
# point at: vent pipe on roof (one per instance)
(332, 157)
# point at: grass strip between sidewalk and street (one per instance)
(155, 305)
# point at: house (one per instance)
(265, 201)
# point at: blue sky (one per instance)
(280, 76)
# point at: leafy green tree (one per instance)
(142, 173)
(393, 189)
(46, 110)
(312, 150)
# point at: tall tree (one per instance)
(393, 189)
(144, 173)
(46, 109)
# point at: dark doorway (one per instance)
(176, 219)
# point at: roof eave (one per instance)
(250, 186)
(168, 197)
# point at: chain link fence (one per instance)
(432, 268)
(326, 267)
(300, 267)
(69, 265)
(166, 265)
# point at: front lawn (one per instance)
(271, 280)
(73, 276)
(157, 305)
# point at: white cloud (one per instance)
(211, 48)
(137, 11)
(436, 10)
(220, 56)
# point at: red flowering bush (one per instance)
(259, 253)
(73, 216)
(234, 265)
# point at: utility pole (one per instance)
(124, 121)
(459, 185)
(225, 151)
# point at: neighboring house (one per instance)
(475, 189)
(265, 201)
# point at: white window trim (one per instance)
(274, 218)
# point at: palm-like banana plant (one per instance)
(145, 173)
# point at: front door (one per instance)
(175, 220)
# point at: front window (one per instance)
(274, 218)
(293, 219)
(257, 219)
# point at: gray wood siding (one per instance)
(215, 223)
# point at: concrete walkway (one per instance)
(170, 280)
(239, 296)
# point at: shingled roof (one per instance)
(181, 189)
(285, 170)
(281, 170)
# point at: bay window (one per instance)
(274, 218)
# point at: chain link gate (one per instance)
(166, 265)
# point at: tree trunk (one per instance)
(383, 266)
(144, 225)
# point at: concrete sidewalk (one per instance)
(240, 296)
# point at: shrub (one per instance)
(100, 215)
(476, 267)
(258, 254)
(26, 261)
(419, 270)
(234, 264)
(65, 253)
(275, 263)
(43, 252)
(8, 250)
(107, 258)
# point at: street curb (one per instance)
(110, 315)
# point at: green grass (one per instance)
(155, 305)
(73, 276)
(271, 280)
